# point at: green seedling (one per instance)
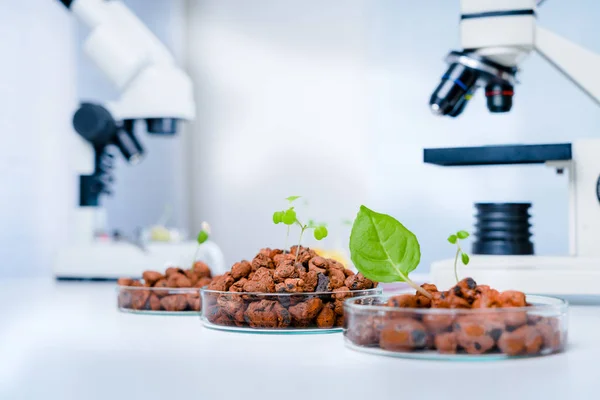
(383, 249)
(455, 239)
(289, 217)
(202, 237)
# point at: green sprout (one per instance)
(289, 217)
(202, 237)
(455, 239)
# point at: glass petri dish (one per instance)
(159, 301)
(277, 313)
(456, 334)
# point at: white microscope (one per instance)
(154, 92)
(496, 36)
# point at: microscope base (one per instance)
(576, 277)
(111, 260)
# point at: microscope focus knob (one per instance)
(94, 123)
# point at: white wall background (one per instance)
(329, 100)
(37, 96)
(282, 107)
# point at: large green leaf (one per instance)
(382, 248)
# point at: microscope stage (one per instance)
(498, 155)
(558, 276)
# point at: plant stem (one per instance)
(195, 255)
(455, 263)
(418, 288)
(287, 237)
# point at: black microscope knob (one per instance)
(94, 123)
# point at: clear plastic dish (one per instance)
(309, 312)
(152, 300)
(456, 334)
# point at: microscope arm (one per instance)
(578, 64)
(135, 61)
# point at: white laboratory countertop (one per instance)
(67, 341)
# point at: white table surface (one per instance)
(67, 341)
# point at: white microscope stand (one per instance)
(151, 86)
(579, 273)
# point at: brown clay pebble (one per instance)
(456, 301)
(326, 318)
(290, 286)
(191, 275)
(403, 300)
(340, 294)
(304, 255)
(266, 251)
(139, 298)
(274, 253)
(358, 282)
(301, 270)
(215, 316)
(238, 286)
(173, 270)
(466, 289)
(364, 330)
(514, 319)
(154, 302)
(266, 314)
(317, 264)
(440, 300)
(551, 334)
(230, 304)
(446, 342)
(402, 335)
(159, 286)
(423, 301)
(322, 283)
(221, 283)
(241, 270)
(151, 277)
(512, 343)
(486, 298)
(174, 302)
(310, 281)
(202, 282)
(194, 301)
(284, 271)
(124, 299)
(261, 282)
(336, 278)
(124, 281)
(512, 298)
(202, 270)
(262, 261)
(306, 311)
(438, 323)
(475, 334)
(178, 280)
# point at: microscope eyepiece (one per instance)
(499, 97)
(161, 126)
(456, 88)
(126, 141)
(467, 72)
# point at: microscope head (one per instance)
(496, 35)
